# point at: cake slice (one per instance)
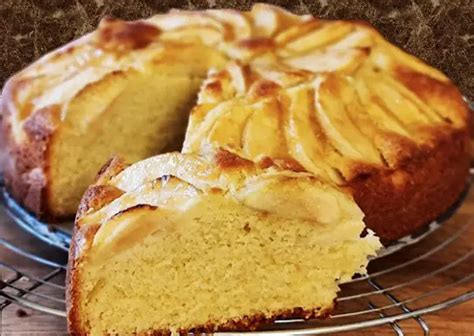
(191, 243)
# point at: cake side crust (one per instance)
(245, 323)
(400, 201)
(96, 196)
(82, 239)
(25, 164)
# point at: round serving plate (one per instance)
(60, 234)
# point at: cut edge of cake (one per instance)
(289, 210)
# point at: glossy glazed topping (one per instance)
(280, 47)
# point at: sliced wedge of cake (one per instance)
(180, 243)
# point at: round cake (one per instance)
(329, 97)
(291, 132)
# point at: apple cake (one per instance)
(181, 243)
(269, 154)
(333, 98)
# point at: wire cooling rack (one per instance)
(424, 273)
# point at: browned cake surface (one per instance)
(25, 167)
(397, 203)
(433, 154)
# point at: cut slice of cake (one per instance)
(180, 243)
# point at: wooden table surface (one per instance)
(457, 320)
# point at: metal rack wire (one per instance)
(404, 285)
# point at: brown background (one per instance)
(439, 31)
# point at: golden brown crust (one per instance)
(397, 202)
(397, 149)
(110, 169)
(263, 88)
(253, 322)
(257, 44)
(96, 197)
(243, 323)
(122, 36)
(83, 237)
(213, 88)
(25, 165)
(431, 90)
(227, 160)
(286, 164)
(101, 193)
